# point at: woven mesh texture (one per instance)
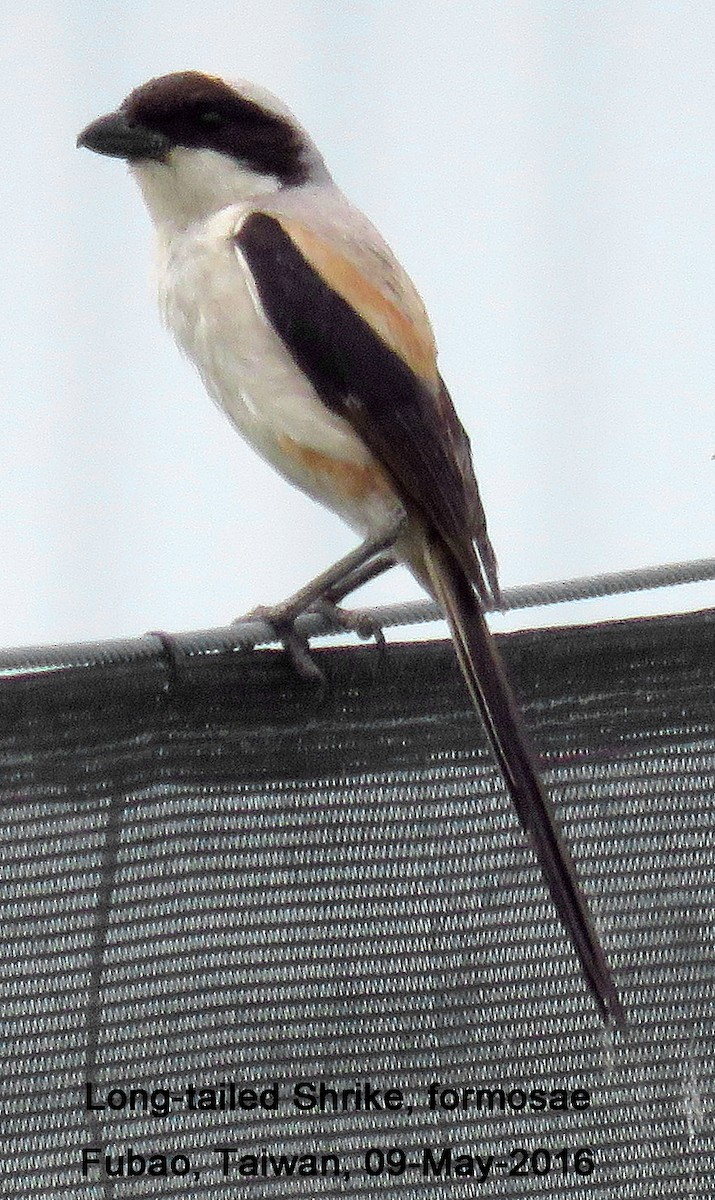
(242, 877)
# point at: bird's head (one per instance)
(197, 143)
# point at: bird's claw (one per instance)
(297, 648)
(283, 622)
(295, 645)
(356, 621)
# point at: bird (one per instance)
(307, 331)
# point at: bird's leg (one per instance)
(323, 593)
(369, 570)
(361, 623)
(365, 562)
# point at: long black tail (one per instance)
(493, 699)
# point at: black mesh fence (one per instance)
(222, 885)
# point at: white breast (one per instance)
(209, 303)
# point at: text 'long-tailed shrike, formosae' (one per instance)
(309, 334)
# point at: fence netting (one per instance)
(222, 884)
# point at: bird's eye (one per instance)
(211, 117)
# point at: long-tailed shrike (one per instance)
(309, 334)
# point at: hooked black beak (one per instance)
(113, 135)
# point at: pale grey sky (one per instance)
(545, 172)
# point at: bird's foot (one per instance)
(361, 622)
(281, 619)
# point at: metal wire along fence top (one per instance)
(255, 632)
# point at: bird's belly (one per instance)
(207, 303)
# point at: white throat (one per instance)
(192, 184)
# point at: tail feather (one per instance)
(493, 699)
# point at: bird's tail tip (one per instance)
(493, 699)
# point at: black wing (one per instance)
(411, 427)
